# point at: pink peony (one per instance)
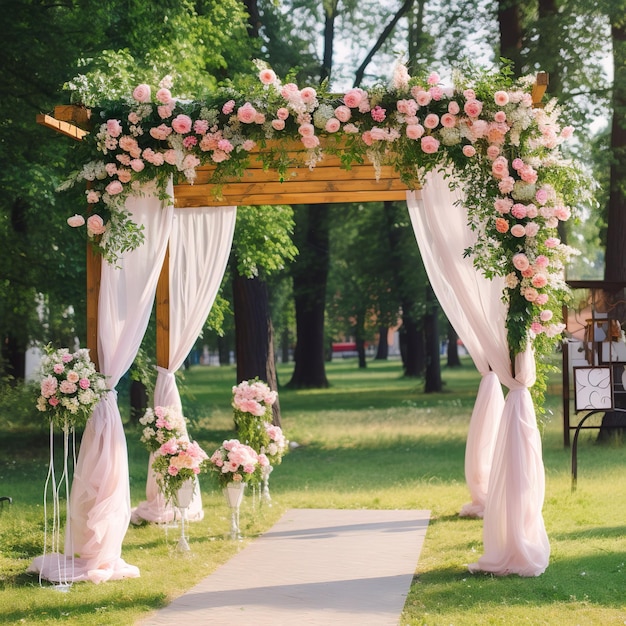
(378, 114)
(76, 220)
(502, 226)
(137, 165)
(228, 107)
(114, 128)
(532, 228)
(506, 185)
(188, 142)
(429, 145)
(141, 93)
(433, 78)
(518, 211)
(200, 127)
(469, 151)
(503, 205)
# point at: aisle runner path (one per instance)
(317, 567)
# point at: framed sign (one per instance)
(593, 388)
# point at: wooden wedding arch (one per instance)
(327, 182)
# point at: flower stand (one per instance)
(233, 492)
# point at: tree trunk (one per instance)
(223, 350)
(433, 381)
(412, 347)
(310, 274)
(330, 14)
(511, 33)
(284, 345)
(254, 335)
(453, 348)
(138, 400)
(382, 352)
(14, 354)
(359, 334)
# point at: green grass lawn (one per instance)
(372, 440)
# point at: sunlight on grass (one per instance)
(372, 440)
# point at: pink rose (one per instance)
(189, 142)
(562, 212)
(53, 401)
(469, 151)
(500, 117)
(500, 168)
(541, 196)
(200, 127)
(433, 78)
(367, 138)
(414, 131)
(542, 261)
(58, 368)
(469, 94)
(141, 93)
(545, 316)
(84, 383)
(353, 98)
(165, 111)
(93, 196)
(310, 141)
(473, 108)
(114, 187)
(552, 242)
(422, 97)
(246, 113)
(431, 121)
(124, 175)
(225, 145)
(95, 225)
(536, 328)
(448, 120)
(518, 230)
(190, 161)
(248, 145)
(282, 113)
(493, 152)
(567, 132)
(182, 124)
(259, 118)
(517, 164)
(378, 114)
(436, 93)
(343, 113)
(306, 130)
(530, 294)
(542, 299)
(164, 95)
(501, 98)
(308, 95)
(539, 281)
(267, 76)
(453, 107)
(520, 261)
(503, 205)
(333, 125)
(519, 211)
(278, 124)
(429, 145)
(228, 107)
(506, 184)
(532, 228)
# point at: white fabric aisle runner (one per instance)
(314, 566)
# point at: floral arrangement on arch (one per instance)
(176, 457)
(69, 387)
(505, 154)
(237, 462)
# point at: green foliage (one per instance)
(262, 242)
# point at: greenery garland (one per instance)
(505, 154)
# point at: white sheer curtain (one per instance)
(504, 466)
(100, 494)
(199, 248)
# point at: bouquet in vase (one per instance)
(176, 457)
(69, 387)
(277, 445)
(252, 404)
(237, 462)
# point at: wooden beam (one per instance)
(65, 128)
(539, 88)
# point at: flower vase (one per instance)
(182, 499)
(233, 492)
(266, 498)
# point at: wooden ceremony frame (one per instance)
(328, 182)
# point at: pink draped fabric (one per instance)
(200, 244)
(100, 494)
(514, 536)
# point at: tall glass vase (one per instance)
(182, 499)
(233, 492)
(266, 498)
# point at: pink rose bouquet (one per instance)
(234, 461)
(69, 387)
(160, 425)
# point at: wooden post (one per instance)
(93, 270)
(163, 314)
